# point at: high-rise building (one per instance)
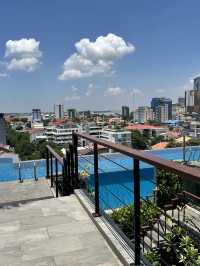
(192, 97)
(36, 115)
(3, 131)
(178, 111)
(72, 114)
(125, 112)
(196, 84)
(59, 111)
(162, 113)
(156, 102)
(181, 101)
(192, 101)
(143, 114)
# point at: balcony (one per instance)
(155, 223)
(145, 207)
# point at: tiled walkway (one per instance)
(51, 232)
(14, 192)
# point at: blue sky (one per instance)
(157, 52)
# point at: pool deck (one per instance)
(13, 193)
(49, 232)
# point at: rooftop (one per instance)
(50, 232)
(143, 127)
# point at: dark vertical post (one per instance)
(96, 180)
(20, 176)
(71, 152)
(51, 164)
(136, 173)
(35, 172)
(69, 173)
(75, 147)
(63, 175)
(184, 148)
(56, 177)
(47, 163)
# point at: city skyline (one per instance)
(138, 51)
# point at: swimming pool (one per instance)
(115, 178)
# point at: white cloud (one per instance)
(95, 57)
(24, 54)
(136, 92)
(90, 90)
(3, 75)
(27, 64)
(114, 91)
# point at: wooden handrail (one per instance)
(55, 154)
(182, 170)
(193, 196)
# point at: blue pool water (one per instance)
(116, 183)
(116, 179)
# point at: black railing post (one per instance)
(47, 163)
(34, 171)
(63, 176)
(69, 173)
(51, 164)
(56, 177)
(20, 176)
(71, 152)
(96, 180)
(136, 174)
(75, 150)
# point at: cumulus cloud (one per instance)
(114, 91)
(23, 54)
(27, 64)
(95, 57)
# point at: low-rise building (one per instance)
(148, 130)
(117, 136)
(61, 134)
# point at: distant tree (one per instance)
(157, 139)
(193, 142)
(138, 140)
(19, 128)
(24, 120)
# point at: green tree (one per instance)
(139, 141)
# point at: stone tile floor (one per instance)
(13, 192)
(51, 232)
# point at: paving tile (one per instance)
(45, 221)
(10, 255)
(53, 246)
(52, 232)
(47, 261)
(87, 257)
(71, 229)
(9, 227)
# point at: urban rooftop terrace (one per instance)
(136, 229)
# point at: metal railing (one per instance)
(63, 180)
(29, 169)
(185, 172)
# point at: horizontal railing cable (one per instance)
(105, 157)
(82, 157)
